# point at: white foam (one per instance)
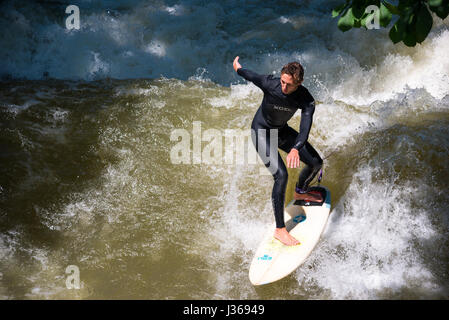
(367, 249)
(155, 47)
(154, 40)
(15, 109)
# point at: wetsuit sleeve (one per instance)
(305, 125)
(257, 79)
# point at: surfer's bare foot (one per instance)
(309, 196)
(283, 236)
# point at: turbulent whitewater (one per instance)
(86, 178)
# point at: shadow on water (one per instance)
(403, 154)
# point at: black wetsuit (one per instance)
(274, 112)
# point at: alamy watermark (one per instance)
(231, 146)
(73, 279)
(73, 20)
(373, 22)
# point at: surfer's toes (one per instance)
(291, 242)
(295, 243)
(286, 239)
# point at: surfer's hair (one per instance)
(294, 69)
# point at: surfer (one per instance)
(282, 97)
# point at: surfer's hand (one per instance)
(236, 64)
(293, 159)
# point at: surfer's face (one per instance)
(289, 84)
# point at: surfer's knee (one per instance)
(317, 163)
(281, 175)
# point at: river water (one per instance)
(87, 176)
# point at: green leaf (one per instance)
(410, 28)
(397, 32)
(346, 22)
(358, 8)
(385, 16)
(336, 11)
(409, 18)
(441, 10)
(405, 5)
(413, 25)
(423, 24)
(435, 3)
(409, 39)
(366, 17)
(393, 9)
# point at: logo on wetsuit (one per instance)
(281, 108)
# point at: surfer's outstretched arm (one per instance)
(257, 79)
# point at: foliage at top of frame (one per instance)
(413, 24)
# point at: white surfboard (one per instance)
(305, 221)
